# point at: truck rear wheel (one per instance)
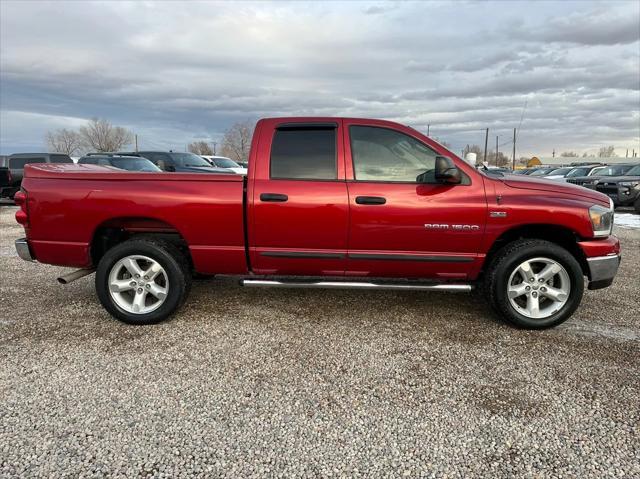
(534, 284)
(143, 280)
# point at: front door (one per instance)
(299, 216)
(402, 222)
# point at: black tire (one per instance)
(504, 263)
(168, 256)
(636, 205)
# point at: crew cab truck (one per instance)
(326, 203)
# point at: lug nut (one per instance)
(146, 277)
(528, 288)
(137, 275)
(534, 294)
(543, 289)
(133, 283)
(541, 280)
(148, 286)
(139, 290)
(531, 280)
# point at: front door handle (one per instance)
(370, 200)
(274, 197)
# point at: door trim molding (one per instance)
(301, 255)
(411, 257)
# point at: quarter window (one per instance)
(381, 154)
(304, 153)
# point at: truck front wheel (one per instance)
(534, 284)
(143, 280)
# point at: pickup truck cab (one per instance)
(327, 203)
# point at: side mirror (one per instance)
(446, 171)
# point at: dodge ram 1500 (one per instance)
(326, 203)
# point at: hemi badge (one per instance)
(498, 214)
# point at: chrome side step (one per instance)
(264, 283)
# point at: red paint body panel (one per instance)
(67, 207)
(319, 230)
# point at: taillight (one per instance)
(22, 215)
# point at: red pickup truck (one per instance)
(330, 203)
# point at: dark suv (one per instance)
(590, 180)
(623, 190)
(181, 162)
(15, 163)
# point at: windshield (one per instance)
(188, 159)
(635, 171)
(615, 170)
(134, 164)
(578, 172)
(560, 171)
(225, 163)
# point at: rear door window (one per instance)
(307, 153)
(18, 163)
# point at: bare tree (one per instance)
(200, 148)
(63, 141)
(607, 151)
(237, 140)
(569, 154)
(100, 135)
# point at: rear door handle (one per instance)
(370, 200)
(274, 197)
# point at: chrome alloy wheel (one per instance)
(138, 284)
(539, 287)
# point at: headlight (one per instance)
(631, 184)
(601, 220)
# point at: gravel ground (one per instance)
(246, 382)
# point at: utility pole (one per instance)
(486, 144)
(215, 143)
(497, 149)
(553, 154)
(627, 155)
(137, 144)
(514, 150)
(428, 128)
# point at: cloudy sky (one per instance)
(566, 73)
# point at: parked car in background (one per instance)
(178, 162)
(590, 180)
(543, 171)
(16, 162)
(6, 190)
(224, 162)
(122, 162)
(623, 190)
(586, 170)
(525, 171)
(558, 173)
(394, 210)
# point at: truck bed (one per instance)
(69, 204)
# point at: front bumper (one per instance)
(22, 247)
(602, 270)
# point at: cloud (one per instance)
(177, 71)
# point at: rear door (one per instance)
(401, 226)
(299, 216)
